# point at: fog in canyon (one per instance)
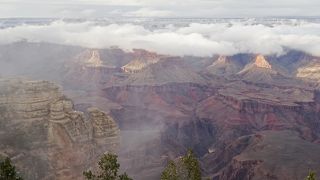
(242, 93)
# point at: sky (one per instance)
(157, 8)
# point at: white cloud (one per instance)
(195, 39)
(147, 12)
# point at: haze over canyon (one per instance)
(243, 94)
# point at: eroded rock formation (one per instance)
(45, 136)
(266, 156)
(259, 70)
(141, 60)
(310, 71)
(223, 66)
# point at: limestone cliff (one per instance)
(95, 59)
(262, 62)
(223, 66)
(88, 70)
(141, 60)
(310, 71)
(45, 136)
(168, 70)
(260, 70)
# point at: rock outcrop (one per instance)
(45, 136)
(273, 155)
(89, 71)
(141, 60)
(105, 129)
(262, 62)
(310, 71)
(168, 70)
(258, 71)
(95, 60)
(223, 66)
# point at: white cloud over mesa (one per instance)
(195, 39)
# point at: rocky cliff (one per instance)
(224, 66)
(239, 115)
(141, 60)
(258, 70)
(310, 71)
(272, 155)
(45, 136)
(89, 70)
(167, 70)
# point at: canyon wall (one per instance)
(43, 134)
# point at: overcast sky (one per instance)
(157, 8)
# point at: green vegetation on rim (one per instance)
(8, 171)
(185, 168)
(108, 169)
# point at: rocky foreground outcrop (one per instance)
(43, 134)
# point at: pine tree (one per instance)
(170, 172)
(192, 165)
(185, 168)
(8, 171)
(108, 169)
(124, 176)
(311, 176)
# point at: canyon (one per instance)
(246, 116)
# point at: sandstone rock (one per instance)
(310, 71)
(89, 65)
(105, 129)
(103, 125)
(262, 62)
(224, 66)
(95, 60)
(142, 60)
(274, 155)
(258, 71)
(39, 127)
(168, 70)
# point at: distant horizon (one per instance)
(173, 17)
(154, 8)
(172, 36)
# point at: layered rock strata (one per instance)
(45, 136)
(273, 155)
(141, 60)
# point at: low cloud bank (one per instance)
(195, 39)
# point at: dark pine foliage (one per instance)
(8, 171)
